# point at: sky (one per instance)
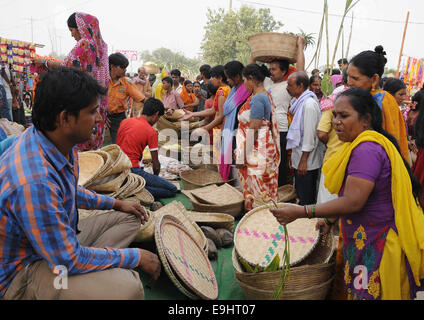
(179, 25)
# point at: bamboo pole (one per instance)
(350, 38)
(401, 48)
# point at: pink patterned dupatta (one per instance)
(91, 55)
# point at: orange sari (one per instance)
(188, 98)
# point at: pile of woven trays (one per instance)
(222, 198)
(108, 171)
(12, 129)
(259, 238)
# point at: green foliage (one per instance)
(310, 39)
(227, 33)
(171, 60)
(274, 265)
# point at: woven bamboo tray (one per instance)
(318, 292)
(268, 46)
(300, 277)
(222, 195)
(145, 197)
(119, 160)
(188, 260)
(111, 183)
(161, 252)
(214, 220)
(177, 210)
(286, 193)
(90, 166)
(164, 123)
(200, 178)
(107, 161)
(234, 209)
(147, 230)
(259, 237)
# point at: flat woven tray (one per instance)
(259, 237)
(234, 209)
(177, 210)
(221, 195)
(188, 260)
(200, 178)
(161, 252)
(214, 220)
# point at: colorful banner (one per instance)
(413, 74)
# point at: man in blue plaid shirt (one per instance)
(40, 235)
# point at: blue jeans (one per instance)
(5, 107)
(157, 186)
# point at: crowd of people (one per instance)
(356, 158)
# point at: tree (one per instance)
(171, 60)
(226, 33)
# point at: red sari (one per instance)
(260, 179)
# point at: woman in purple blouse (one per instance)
(381, 255)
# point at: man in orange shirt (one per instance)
(120, 90)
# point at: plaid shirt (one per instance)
(39, 197)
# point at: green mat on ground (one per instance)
(164, 288)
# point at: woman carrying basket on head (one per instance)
(381, 220)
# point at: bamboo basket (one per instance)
(318, 292)
(145, 197)
(200, 178)
(268, 46)
(111, 183)
(221, 195)
(212, 219)
(164, 123)
(286, 193)
(90, 166)
(233, 209)
(119, 160)
(107, 161)
(147, 230)
(300, 277)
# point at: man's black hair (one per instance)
(62, 89)
(119, 60)
(176, 72)
(206, 70)
(342, 61)
(169, 80)
(283, 64)
(153, 105)
(302, 78)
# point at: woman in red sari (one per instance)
(258, 161)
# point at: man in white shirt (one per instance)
(176, 75)
(276, 85)
(307, 149)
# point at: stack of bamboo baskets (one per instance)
(108, 171)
